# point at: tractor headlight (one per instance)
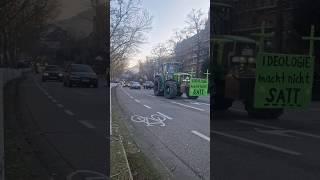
(251, 60)
(242, 60)
(187, 79)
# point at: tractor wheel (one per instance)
(221, 103)
(156, 87)
(263, 113)
(190, 97)
(170, 89)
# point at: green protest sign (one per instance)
(198, 87)
(283, 81)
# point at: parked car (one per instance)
(52, 72)
(80, 74)
(135, 85)
(148, 85)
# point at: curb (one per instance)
(6, 75)
(112, 88)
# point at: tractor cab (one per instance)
(171, 68)
(234, 73)
(235, 55)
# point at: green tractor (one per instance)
(170, 82)
(234, 67)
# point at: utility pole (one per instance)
(279, 27)
(311, 40)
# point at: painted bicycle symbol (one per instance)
(154, 119)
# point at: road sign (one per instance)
(283, 81)
(198, 87)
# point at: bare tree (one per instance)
(195, 24)
(160, 51)
(19, 21)
(128, 27)
(178, 37)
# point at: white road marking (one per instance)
(277, 128)
(54, 101)
(201, 135)
(136, 100)
(304, 134)
(50, 97)
(60, 105)
(197, 103)
(86, 124)
(69, 112)
(278, 132)
(187, 106)
(147, 106)
(164, 115)
(127, 94)
(268, 146)
(258, 124)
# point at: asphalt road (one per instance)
(173, 133)
(72, 124)
(281, 149)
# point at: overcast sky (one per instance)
(167, 16)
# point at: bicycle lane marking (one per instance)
(153, 120)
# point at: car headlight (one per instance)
(45, 74)
(60, 74)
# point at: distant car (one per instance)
(80, 74)
(135, 85)
(148, 85)
(52, 72)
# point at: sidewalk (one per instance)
(119, 165)
(6, 75)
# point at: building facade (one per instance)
(188, 50)
(277, 16)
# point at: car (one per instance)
(135, 85)
(148, 85)
(52, 72)
(81, 75)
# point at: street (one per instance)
(173, 133)
(280, 149)
(68, 127)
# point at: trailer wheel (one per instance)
(170, 89)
